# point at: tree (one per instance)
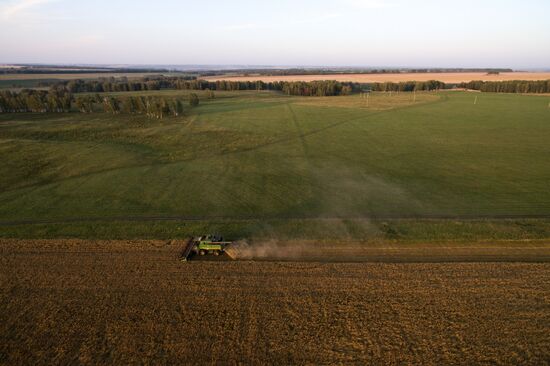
(129, 105)
(175, 108)
(193, 100)
(111, 105)
(83, 104)
(346, 90)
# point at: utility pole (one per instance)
(475, 100)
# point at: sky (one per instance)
(391, 33)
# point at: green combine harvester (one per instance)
(204, 245)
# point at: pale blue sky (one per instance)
(446, 33)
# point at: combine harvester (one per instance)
(205, 245)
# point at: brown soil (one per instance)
(133, 302)
(371, 78)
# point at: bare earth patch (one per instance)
(128, 302)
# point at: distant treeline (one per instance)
(513, 86)
(55, 101)
(314, 88)
(120, 84)
(61, 101)
(408, 86)
(327, 71)
(61, 96)
(65, 69)
(299, 88)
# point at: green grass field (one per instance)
(251, 163)
(19, 84)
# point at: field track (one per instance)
(223, 218)
(372, 78)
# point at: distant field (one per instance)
(23, 84)
(372, 78)
(20, 81)
(265, 164)
(75, 76)
(106, 302)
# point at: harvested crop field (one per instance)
(373, 78)
(128, 302)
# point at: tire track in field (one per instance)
(310, 165)
(299, 129)
(282, 140)
(68, 220)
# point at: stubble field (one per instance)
(133, 302)
(447, 77)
